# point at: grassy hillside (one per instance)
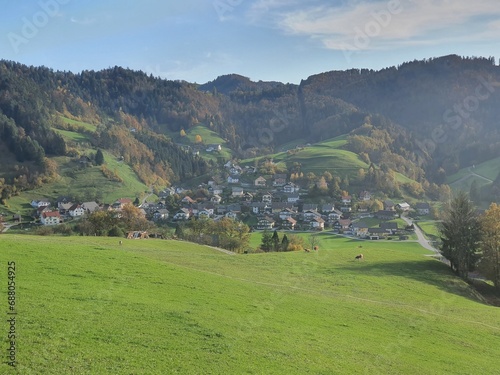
(208, 137)
(86, 183)
(483, 173)
(91, 306)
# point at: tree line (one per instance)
(471, 241)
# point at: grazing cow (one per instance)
(360, 246)
(315, 248)
(121, 242)
(307, 250)
(359, 257)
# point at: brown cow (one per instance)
(359, 257)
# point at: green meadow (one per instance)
(88, 305)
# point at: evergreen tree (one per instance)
(460, 234)
(267, 241)
(284, 243)
(276, 241)
(99, 157)
(179, 231)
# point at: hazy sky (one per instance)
(282, 40)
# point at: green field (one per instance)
(429, 228)
(84, 183)
(90, 306)
(489, 170)
(208, 137)
(86, 125)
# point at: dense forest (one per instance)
(425, 119)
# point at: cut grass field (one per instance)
(90, 306)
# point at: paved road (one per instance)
(421, 238)
(424, 242)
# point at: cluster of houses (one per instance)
(65, 209)
(267, 203)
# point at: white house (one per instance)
(76, 211)
(233, 179)
(403, 206)
(292, 198)
(216, 199)
(39, 203)
(318, 223)
(260, 182)
(182, 214)
(50, 218)
(290, 188)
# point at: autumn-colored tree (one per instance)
(183, 133)
(198, 138)
(490, 244)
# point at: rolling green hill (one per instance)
(90, 306)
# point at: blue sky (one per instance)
(282, 40)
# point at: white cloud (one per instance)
(385, 23)
(85, 21)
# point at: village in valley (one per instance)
(270, 202)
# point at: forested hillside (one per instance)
(424, 119)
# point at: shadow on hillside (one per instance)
(433, 273)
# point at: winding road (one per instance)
(424, 242)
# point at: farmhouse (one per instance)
(76, 210)
(286, 213)
(389, 227)
(365, 196)
(318, 223)
(360, 229)
(90, 207)
(290, 188)
(266, 223)
(50, 218)
(423, 208)
(289, 223)
(39, 203)
(389, 205)
(182, 214)
(403, 206)
(160, 214)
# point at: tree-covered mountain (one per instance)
(425, 119)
